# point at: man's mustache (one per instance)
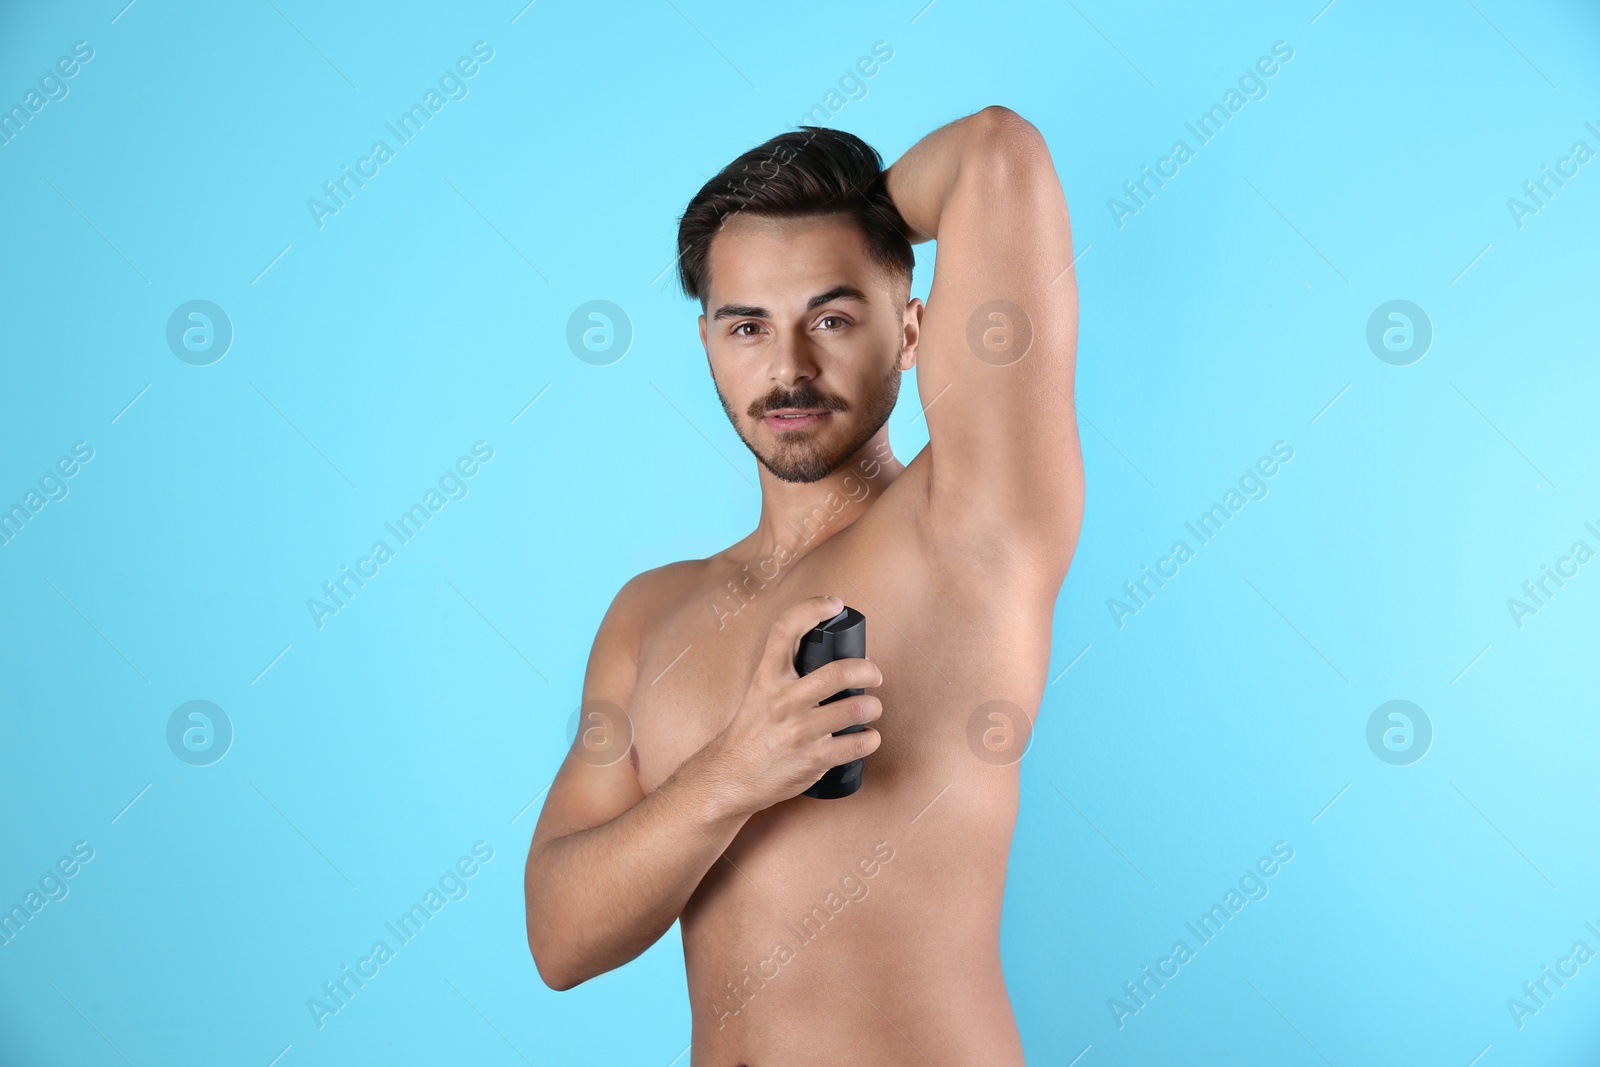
(798, 398)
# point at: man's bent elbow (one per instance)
(1008, 147)
(556, 981)
(544, 945)
(1003, 129)
(553, 970)
(999, 119)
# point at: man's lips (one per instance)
(794, 418)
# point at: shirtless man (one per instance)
(864, 929)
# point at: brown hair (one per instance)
(811, 170)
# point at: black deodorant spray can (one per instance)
(842, 637)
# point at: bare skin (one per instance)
(863, 929)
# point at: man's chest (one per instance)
(696, 664)
(946, 650)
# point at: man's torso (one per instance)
(863, 929)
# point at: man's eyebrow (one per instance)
(838, 292)
(751, 311)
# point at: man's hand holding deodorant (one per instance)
(801, 725)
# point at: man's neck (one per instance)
(796, 517)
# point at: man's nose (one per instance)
(793, 359)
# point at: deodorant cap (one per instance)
(842, 637)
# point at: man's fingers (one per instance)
(784, 640)
(835, 675)
(851, 711)
(846, 747)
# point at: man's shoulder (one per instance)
(648, 594)
(642, 601)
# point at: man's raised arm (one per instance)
(999, 339)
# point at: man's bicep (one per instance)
(998, 348)
(598, 778)
(583, 796)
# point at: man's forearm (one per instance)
(921, 180)
(597, 898)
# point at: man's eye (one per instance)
(742, 325)
(832, 318)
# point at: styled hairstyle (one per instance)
(812, 170)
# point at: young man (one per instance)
(863, 929)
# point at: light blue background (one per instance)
(429, 713)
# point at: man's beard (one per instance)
(807, 459)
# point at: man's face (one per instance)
(806, 337)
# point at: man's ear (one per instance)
(703, 335)
(911, 328)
